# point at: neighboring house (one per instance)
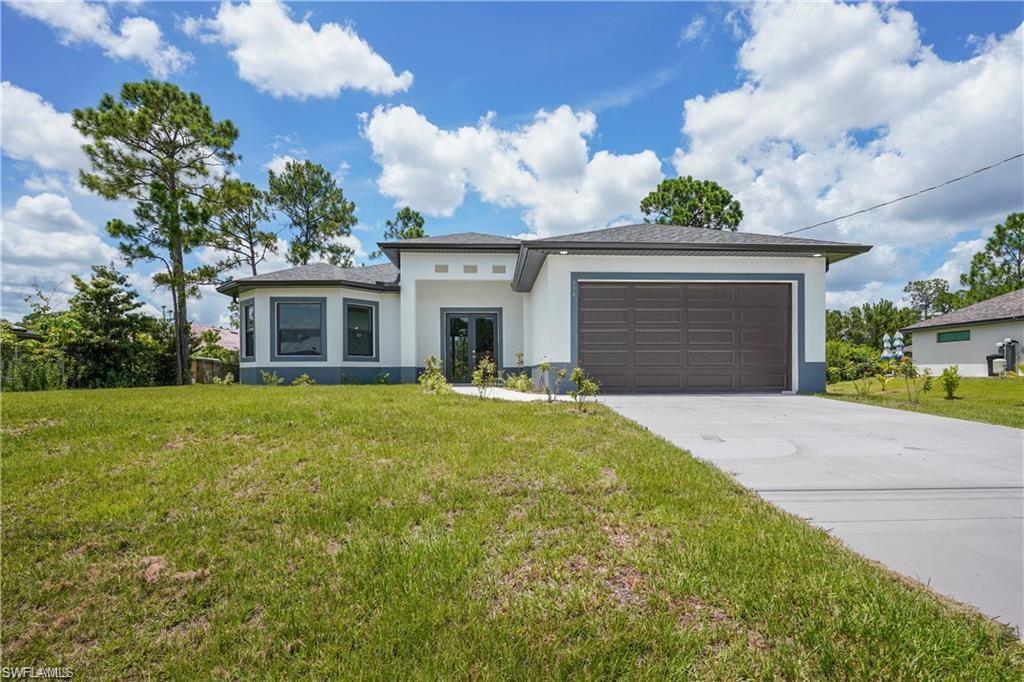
(966, 336)
(226, 338)
(643, 308)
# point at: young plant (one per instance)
(520, 380)
(863, 374)
(485, 376)
(382, 378)
(544, 368)
(950, 380)
(270, 378)
(916, 381)
(585, 389)
(227, 379)
(303, 380)
(432, 379)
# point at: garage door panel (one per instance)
(711, 316)
(704, 358)
(680, 337)
(657, 315)
(604, 316)
(656, 337)
(764, 296)
(604, 337)
(700, 337)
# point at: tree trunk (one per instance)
(181, 331)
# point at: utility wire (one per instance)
(907, 196)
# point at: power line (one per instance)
(907, 196)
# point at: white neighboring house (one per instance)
(643, 308)
(966, 336)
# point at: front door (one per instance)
(468, 338)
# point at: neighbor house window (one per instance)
(361, 341)
(947, 337)
(299, 328)
(248, 330)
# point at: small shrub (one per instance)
(833, 375)
(303, 380)
(916, 381)
(544, 368)
(485, 376)
(950, 380)
(382, 378)
(228, 378)
(850, 358)
(432, 379)
(586, 388)
(519, 382)
(270, 378)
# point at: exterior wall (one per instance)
(334, 369)
(969, 355)
(425, 292)
(551, 301)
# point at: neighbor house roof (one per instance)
(1006, 307)
(460, 241)
(226, 338)
(382, 277)
(653, 239)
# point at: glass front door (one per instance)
(468, 338)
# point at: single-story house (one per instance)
(226, 338)
(965, 337)
(642, 308)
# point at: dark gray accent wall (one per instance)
(811, 374)
(242, 350)
(375, 306)
(274, 300)
(328, 375)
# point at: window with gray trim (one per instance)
(299, 328)
(248, 330)
(361, 320)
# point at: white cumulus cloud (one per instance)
(544, 167)
(289, 58)
(136, 38)
(45, 241)
(843, 106)
(33, 130)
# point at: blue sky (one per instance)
(804, 112)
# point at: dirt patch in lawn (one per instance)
(30, 426)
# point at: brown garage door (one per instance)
(692, 337)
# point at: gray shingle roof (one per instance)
(458, 239)
(650, 233)
(1006, 307)
(384, 276)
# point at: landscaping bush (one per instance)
(950, 380)
(850, 360)
(432, 379)
(916, 381)
(585, 388)
(303, 380)
(485, 376)
(270, 378)
(519, 382)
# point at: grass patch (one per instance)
(376, 532)
(993, 401)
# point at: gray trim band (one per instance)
(810, 375)
(374, 307)
(274, 300)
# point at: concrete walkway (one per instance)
(940, 500)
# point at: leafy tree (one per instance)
(407, 224)
(930, 296)
(237, 211)
(866, 325)
(160, 147)
(317, 211)
(999, 267)
(692, 203)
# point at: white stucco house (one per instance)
(965, 337)
(643, 308)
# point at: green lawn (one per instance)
(376, 532)
(994, 401)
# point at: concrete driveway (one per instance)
(940, 500)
